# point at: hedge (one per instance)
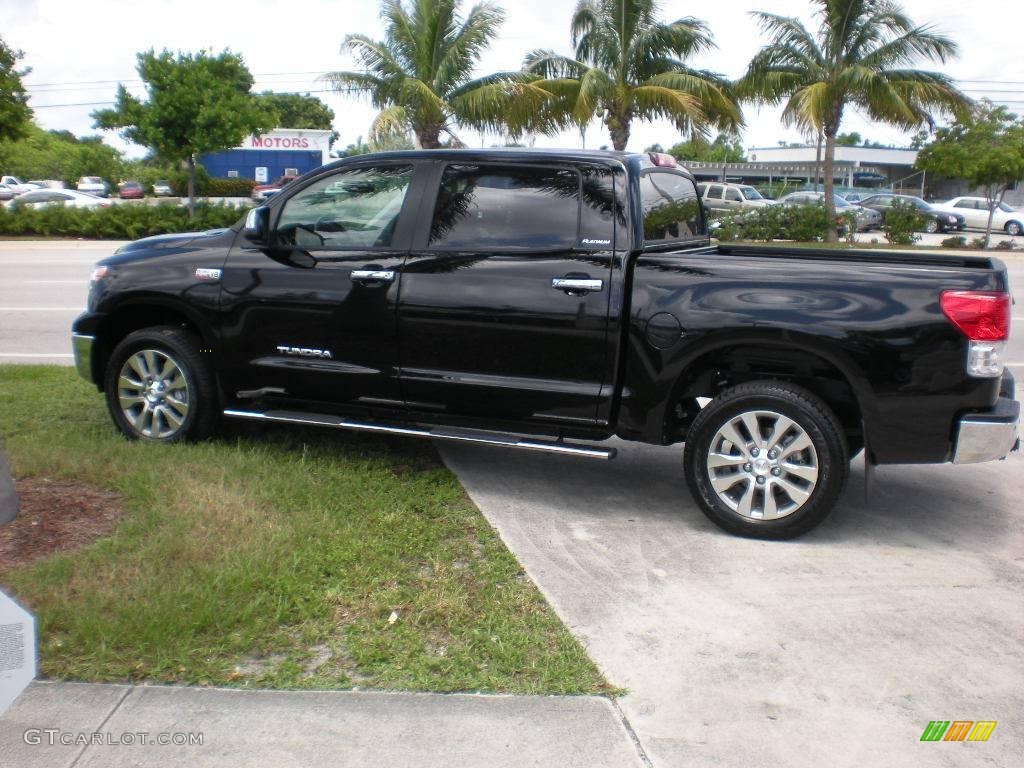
(118, 222)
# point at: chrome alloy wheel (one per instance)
(762, 465)
(153, 393)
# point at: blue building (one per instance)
(283, 151)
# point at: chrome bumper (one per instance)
(988, 436)
(82, 347)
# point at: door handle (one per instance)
(373, 276)
(576, 285)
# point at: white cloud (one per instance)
(73, 42)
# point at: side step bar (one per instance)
(438, 433)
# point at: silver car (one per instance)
(867, 219)
(731, 197)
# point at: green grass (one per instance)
(274, 557)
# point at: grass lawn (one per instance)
(275, 557)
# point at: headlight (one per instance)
(98, 274)
(952, 219)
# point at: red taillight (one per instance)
(663, 159)
(980, 315)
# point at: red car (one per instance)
(131, 190)
(263, 191)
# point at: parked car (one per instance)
(38, 198)
(16, 185)
(867, 219)
(6, 192)
(934, 220)
(478, 296)
(47, 183)
(131, 190)
(975, 211)
(720, 198)
(162, 188)
(263, 191)
(93, 185)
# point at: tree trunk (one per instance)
(992, 203)
(618, 128)
(817, 163)
(191, 187)
(830, 202)
(429, 136)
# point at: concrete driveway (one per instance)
(836, 649)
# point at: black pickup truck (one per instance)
(536, 299)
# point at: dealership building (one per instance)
(283, 151)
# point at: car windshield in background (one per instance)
(1006, 208)
(750, 193)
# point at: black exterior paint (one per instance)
(480, 338)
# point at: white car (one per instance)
(39, 198)
(731, 197)
(16, 185)
(93, 185)
(975, 212)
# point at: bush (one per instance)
(179, 181)
(230, 187)
(118, 222)
(803, 223)
(978, 243)
(955, 242)
(1004, 245)
(901, 224)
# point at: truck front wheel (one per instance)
(766, 460)
(159, 387)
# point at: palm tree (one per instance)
(861, 57)
(419, 76)
(628, 66)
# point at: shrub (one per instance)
(978, 243)
(901, 224)
(955, 242)
(1004, 245)
(118, 222)
(230, 187)
(804, 223)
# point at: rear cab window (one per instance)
(671, 208)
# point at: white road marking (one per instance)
(41, 309)
(35, 354)
(54, 282)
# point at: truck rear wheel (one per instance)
(766, 460)
(159, 387)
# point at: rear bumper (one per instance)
(82, 346)
(988, 436)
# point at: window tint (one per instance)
(671, 208)
(750, 193)
(715, 191)
(599, 209)
(355, 208)
(495, 206)
(965, 204)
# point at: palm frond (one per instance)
(390, 122)
(466, 44)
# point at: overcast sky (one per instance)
(78, 51)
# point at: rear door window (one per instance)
(671, 208)
(505, 207)
(733, 195)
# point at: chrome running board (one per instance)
(437, 433)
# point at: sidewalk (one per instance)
(242, 728)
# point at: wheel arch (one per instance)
(133, 314)
(801, 360)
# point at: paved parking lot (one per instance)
(836, 649)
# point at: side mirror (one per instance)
(257, 225)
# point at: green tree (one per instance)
(725, 148)
(852, 139)
(15, 115)
(296, 110)
(860, 56)
(419, 75)
(195, 103)
(630, 66)
(985, 149)
(60, 155)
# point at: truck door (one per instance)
(504, 305)
(313, 316)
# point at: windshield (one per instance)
(750, 193)
(841, 203)
(1005, 208)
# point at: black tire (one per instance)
(813, 423)
(190, 382)
(1014, 228)
(931, 226)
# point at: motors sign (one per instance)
(279, 142)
